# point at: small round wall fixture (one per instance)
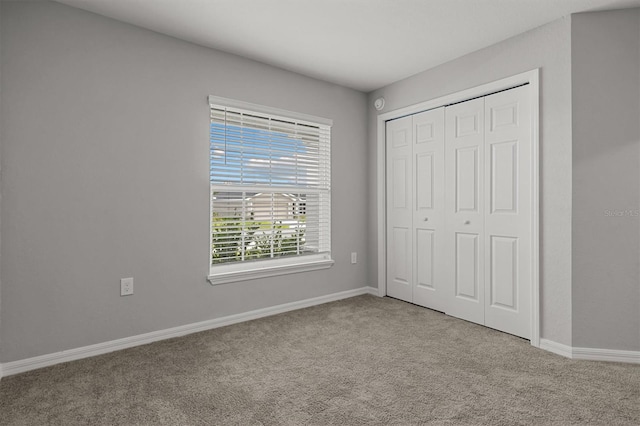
(379, 104)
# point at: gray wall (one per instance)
(605, 53)
(549, 48)
(0, 174)
(105, 175)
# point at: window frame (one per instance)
(248, 270)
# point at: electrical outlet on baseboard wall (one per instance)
(354, 257)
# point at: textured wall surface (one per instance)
(0, 176)
(605, 49)
(105, 175)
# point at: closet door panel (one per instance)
(508, 217)
(464, 210)
(467, 179)
(503, 276)
(401, 242)
(425, 180)
(425, 251)
(399, 206)
(428, 213)
(503, 177)
(466, 266)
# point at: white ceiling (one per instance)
(363, 44)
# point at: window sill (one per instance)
(268, 269)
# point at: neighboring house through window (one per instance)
(270, 191)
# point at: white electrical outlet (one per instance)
(126, 286)
(354, 257)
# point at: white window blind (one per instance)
(270, 180)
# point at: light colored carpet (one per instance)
(364, 360)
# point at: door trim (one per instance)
(532, 79)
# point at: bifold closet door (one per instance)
(464, 209)
(399, 141)
(428, 210)
(488, 210)
(459, 210)
(415, 209)
(508, 211)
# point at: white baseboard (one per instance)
(612, 355)
(20, 366)
(591, 354)
(556, 348)
(372, 290)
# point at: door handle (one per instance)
(467, 222)
(426, 219)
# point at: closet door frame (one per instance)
(531, 78)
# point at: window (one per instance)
(270, 191)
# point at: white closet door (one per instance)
(464, 188)
(508, 211)
(399, 140)
(428, 216)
